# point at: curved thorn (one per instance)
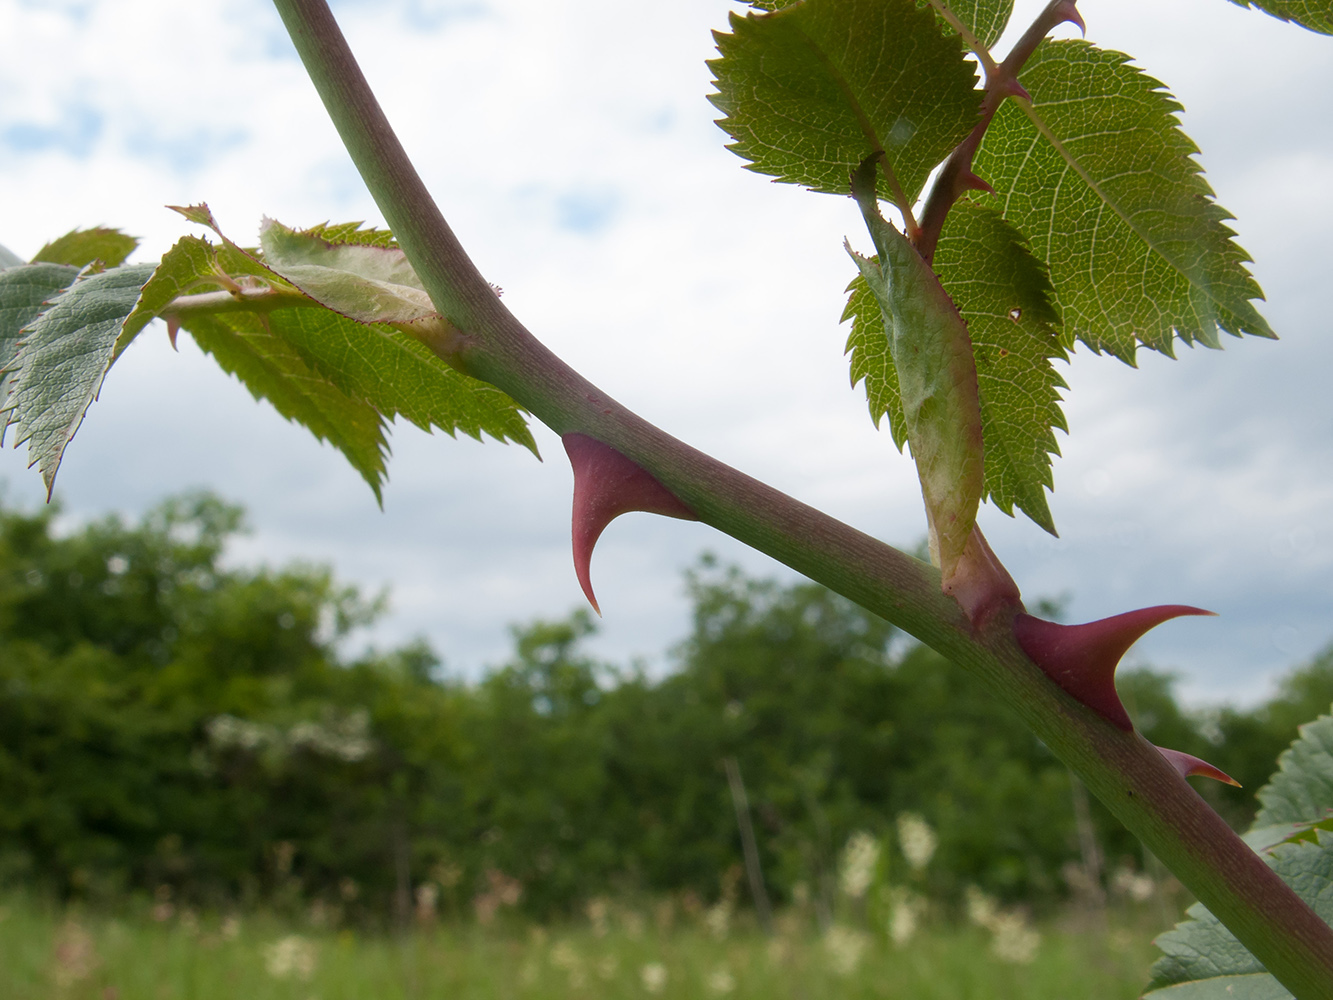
(606, 485)
(1068, 11)
(1082, 658)
(971, 182)
(1189, 766)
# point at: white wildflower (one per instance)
(844, 947)
(905, 911)
(292, 957)
(654, 977)
(859, 859)
(981, 908)
(916, 840)
(1135, 885)
(1014, 940)
(720, 981)
(718, 919)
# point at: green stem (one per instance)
(1122, 769)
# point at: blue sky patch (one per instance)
(74, 134)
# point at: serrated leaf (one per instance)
(80, 247)
(8, 259)
(985, 267)
(400, 376)
(813, 89)
(871, 361)
(63, 357)
(245, 345)
(986, 19)
(1292, 832)
(352, 232)
(1005, 296)
(937, 379)
(1301, 791)
(1201, 950)
(1099, 176)
(370, 284)
(340, 378)
(1317, 15)
(24, 291)
(1259, 986)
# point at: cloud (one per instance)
(572, 148)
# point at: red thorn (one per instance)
(173, 328)
(606, 485)
(1068, 11)
(1189, 766)
(1082, 658)
(980, 583)
(1015, 89)
(971, 182)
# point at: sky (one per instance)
(572, 148)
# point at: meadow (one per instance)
(615, 951)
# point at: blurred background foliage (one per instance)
(175, 727)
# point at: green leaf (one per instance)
(1301, 791)
(245, 344)
(370, 284)
(340, 378)
(1317, 15)
(352, 232)
(8, 259)
(812, 90)
(986, 19)
(1202, 951)
(1099, 176)
(24, 291)
(1004, 296)
(872, 362)
(63, 357)
(80, 247)
(1257, 986)
(937, 379)
(1292, 832)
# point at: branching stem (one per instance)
(956, 176)
(1121, 768)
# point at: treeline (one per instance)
(172, 727)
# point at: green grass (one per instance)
(45, 953)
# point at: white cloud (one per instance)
(571, 147)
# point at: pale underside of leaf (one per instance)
(8, 259)
(1003, 296)
(1254, 986)
(63, 358)
(1292, 832)
(342, 379)
(1317, 15)
(812, 90)
(24, 291)
(937, 381)
(1100, 178)
(370, 284)
(1302, 789)
(1201, 949)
